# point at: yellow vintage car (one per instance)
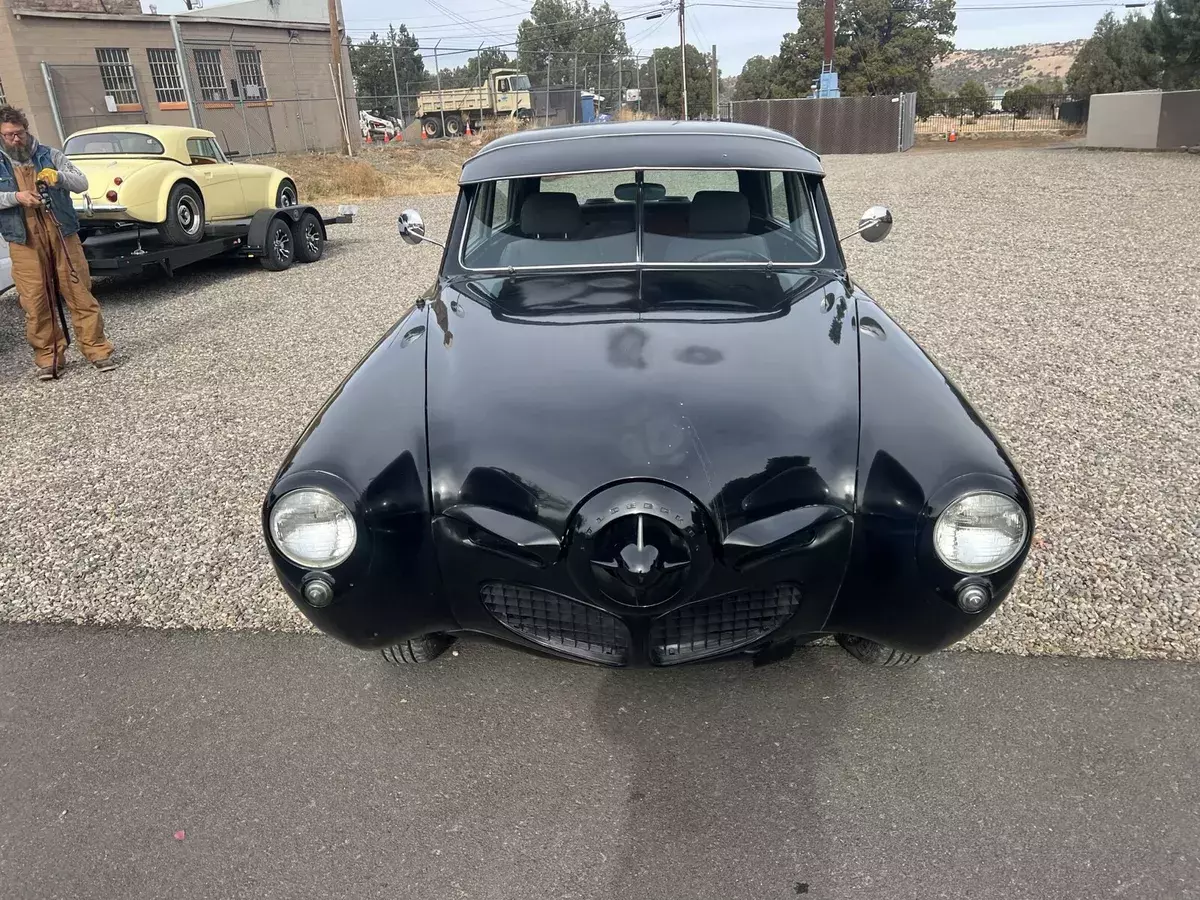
(168, 176)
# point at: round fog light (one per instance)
(972, 598)
(318, 593)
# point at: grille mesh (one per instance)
(558, 622)
(721, 623)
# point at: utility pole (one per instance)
(828, 85)
(683, 57)
(716, 86)
(395, 74)
(335, 59)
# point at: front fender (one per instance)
(921, 444)
(367, 445)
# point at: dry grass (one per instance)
(377, 171)
(410, 168)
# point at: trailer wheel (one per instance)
(453, 126)
(279, 249)
(310, 238)
(431, 127)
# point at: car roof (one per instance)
(620, 146)
(172, 137)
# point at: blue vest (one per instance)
(12, 220)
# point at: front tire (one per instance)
(432, 127)
(872, 653)
(423, 649)
(453, 126)
(285, 194)
(185, 216)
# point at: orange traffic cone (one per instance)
(369, 141)
(953, 135)
(424, 136)
(387, 138)
(468, 132)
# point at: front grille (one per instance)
(558, 622)
(719, 624)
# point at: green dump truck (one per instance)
(448, 111)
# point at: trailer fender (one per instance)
(262, 220)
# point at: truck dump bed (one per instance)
(453, 99)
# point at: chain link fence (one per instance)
(572, 88)
(259, 98)
(837, 124)
(90, 96)
(1014, 111)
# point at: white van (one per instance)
(6, 280)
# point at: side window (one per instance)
(500, 212)
(779, 200)
(197, 150)
(212, 150)
(797, 212)
(502, 85)
(489, 213)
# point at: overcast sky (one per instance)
(739, 33)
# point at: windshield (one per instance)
(519, 82)
(111, 143)
(686, 217)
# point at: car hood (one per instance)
(101, 170)
(751, 414)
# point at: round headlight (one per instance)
(980, 533)
(313, 528)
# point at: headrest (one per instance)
(550, 213)
(727, 211)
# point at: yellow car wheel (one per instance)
(285, 195)
(185, 216)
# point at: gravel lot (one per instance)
(1060, 290)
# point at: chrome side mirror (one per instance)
(412, 228)
(874, 226)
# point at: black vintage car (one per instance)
(645, 417)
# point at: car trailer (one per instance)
(276, 236)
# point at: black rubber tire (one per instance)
(183, 227)
(432, 126)
(423, 649)
(872, 653)
(279, 247)
(310, 238)
(287, 186)
(454, 126)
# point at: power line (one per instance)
(1070, 4)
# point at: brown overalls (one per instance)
(41, 251)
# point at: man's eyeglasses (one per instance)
(13, 135)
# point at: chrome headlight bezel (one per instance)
(289, 553)
(992, 566)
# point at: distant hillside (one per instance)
(999, 69)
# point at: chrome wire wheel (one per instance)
(287, 195)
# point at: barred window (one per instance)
(116, 72)
(211, 75)
(3, 102)
(249, 62)
(168, 83)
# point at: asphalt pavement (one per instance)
(150, 764)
